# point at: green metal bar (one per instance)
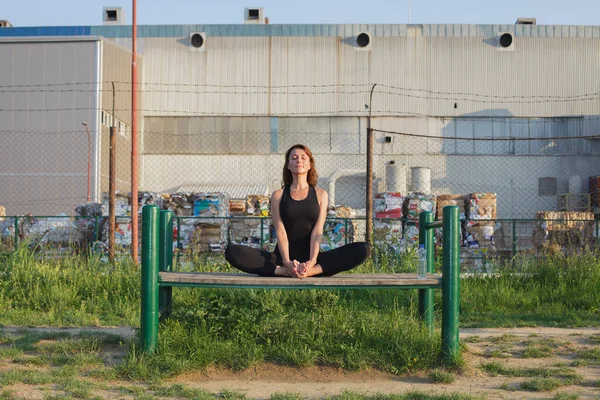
(165, 251)
(261, 232)
(451, 284)
(596, 237)
(433, 225)
(16, 232)
(178, 239)
(346, 231)
(514, 237)
(149, 290)
(426, 295)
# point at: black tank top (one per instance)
(299, 218)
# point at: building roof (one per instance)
(336, 30)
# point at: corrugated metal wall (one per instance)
(48, 90)
(329, 76)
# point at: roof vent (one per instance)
(5, 24)
(525, 21)
(113, 16)
(254, 15)
(197, 41)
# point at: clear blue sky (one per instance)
(89, 12)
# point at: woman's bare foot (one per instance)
(315, 270)
(282, 271)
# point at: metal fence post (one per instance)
(426, 295)
(149, 290)
(16, 232)
(451, 282)
(345, 230)
(514, 237)
(165, 249)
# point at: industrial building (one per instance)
(220, 104)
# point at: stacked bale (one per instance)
(563, 229)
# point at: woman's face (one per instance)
(299, 162)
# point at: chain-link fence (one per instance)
(502, 171)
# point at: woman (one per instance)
(298, 211)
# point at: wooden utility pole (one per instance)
(112, 179)
(369, 199)
(134, 140)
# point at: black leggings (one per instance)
(261, 262)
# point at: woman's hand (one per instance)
(292, 267)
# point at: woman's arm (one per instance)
(317, 233)
(282, 239)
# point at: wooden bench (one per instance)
(158, 279)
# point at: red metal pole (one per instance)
(134, 139)
(89, 169)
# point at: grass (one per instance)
(592, 356)
(548, 291)
(566, 396)
(236, 329)
(441, 376)
(541, 384)
(543, 378)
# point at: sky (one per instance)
(155, 12)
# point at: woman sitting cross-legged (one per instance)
(298, 211)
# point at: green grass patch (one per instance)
(286, 396)
(77, 388)
(591, 355)
(237, 329)
(538, 351)
(7, 395)
(541, 384)
(441, 376)
(25, 376)
(497, 353)
(594, 339)
(535, 291)
(10, 352)
(183, 392)
(495, 368)
(504, 338)
(413, 395)
(566, 396)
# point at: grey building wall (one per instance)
(297, 75)
(49, 87)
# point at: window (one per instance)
(547, 187)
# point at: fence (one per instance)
(531, 164)
(197, 236)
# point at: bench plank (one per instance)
(342, 280)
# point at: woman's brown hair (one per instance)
(312, 172)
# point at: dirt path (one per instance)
(263, 381)
(508, 347)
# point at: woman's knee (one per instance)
(231, 253)
(363, 250)
(367, 249)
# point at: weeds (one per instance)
(441, 376)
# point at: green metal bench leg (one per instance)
(426, 295)
(451, 282)
(149, 289)
(165, 246)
